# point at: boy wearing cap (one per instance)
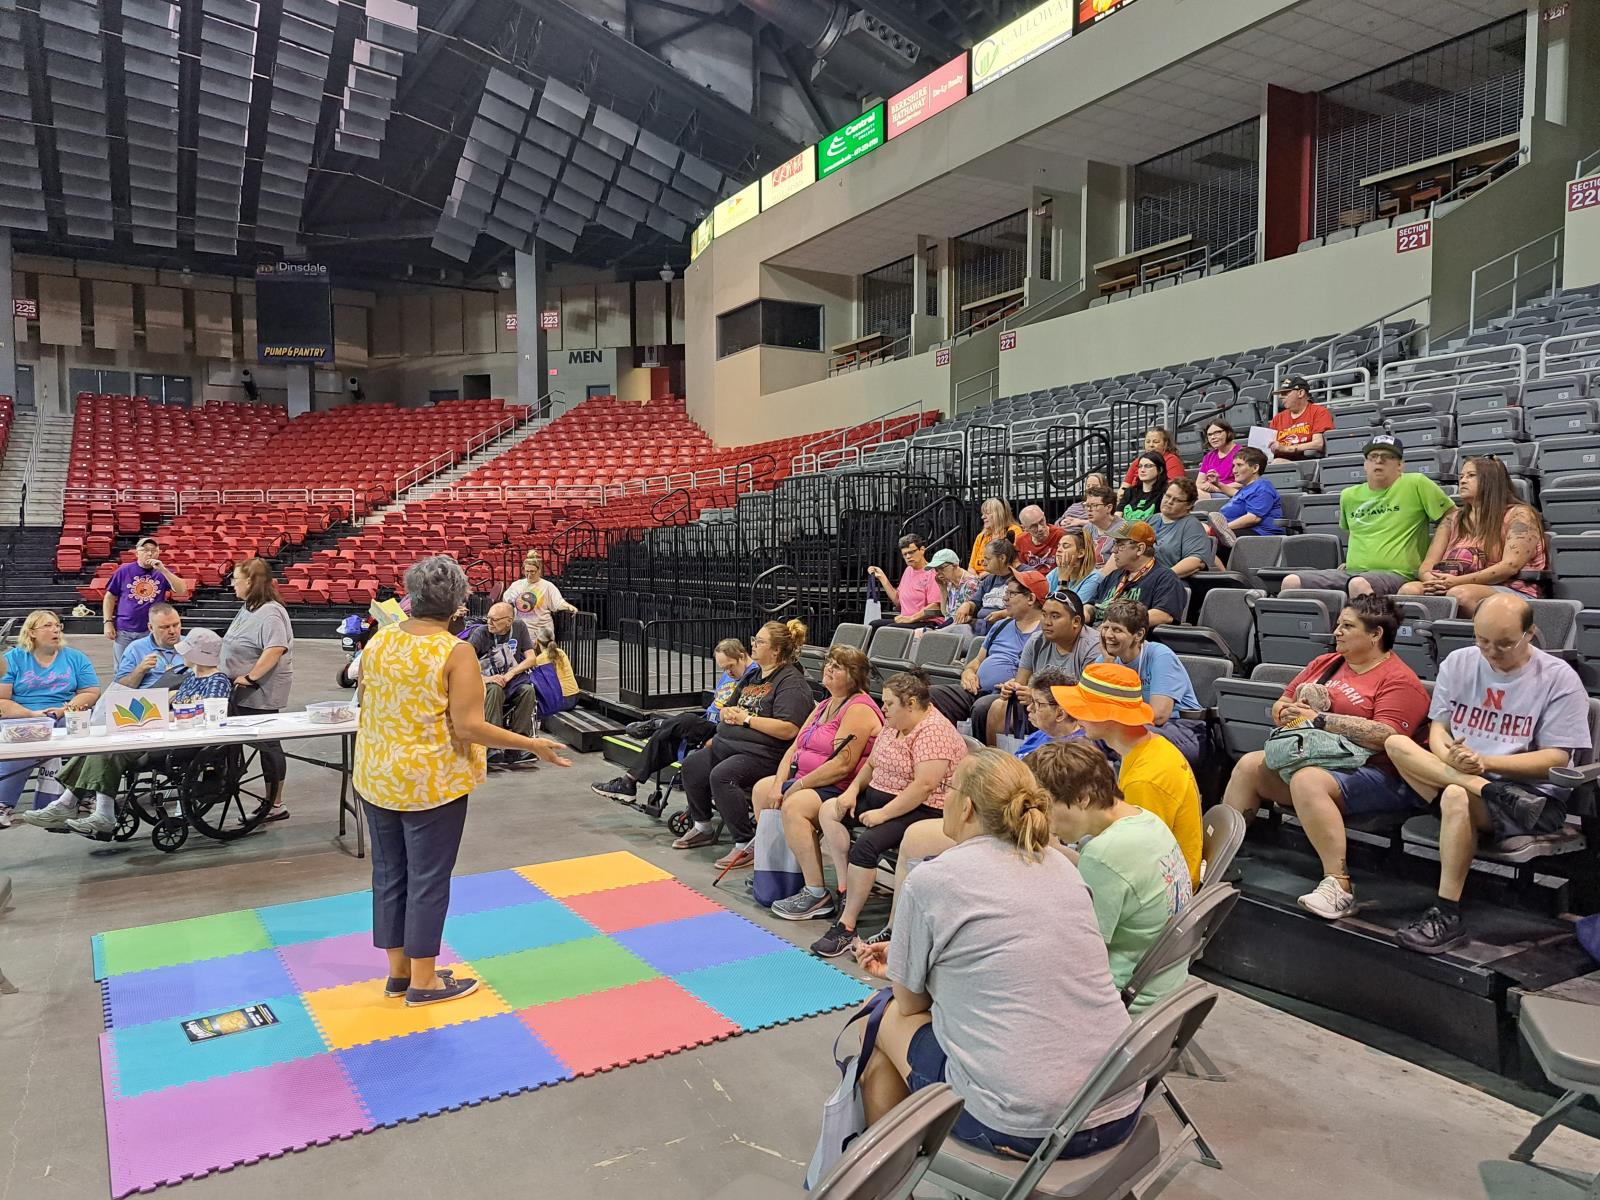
(1388, 518)
(1108, 703)
(1299, 424)
(1133, 573)
(101, 775)
(998, 660)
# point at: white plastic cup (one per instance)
(78, 721)
(216, 711)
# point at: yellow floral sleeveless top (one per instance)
(406, 755)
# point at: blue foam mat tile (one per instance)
(311, 920)
(156, 1056)
(692, 943)
(105, 1004)
(755, 993)
(209, 986)
(491, 889)
(422, 1074)
(498, 931)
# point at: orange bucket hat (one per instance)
(1106, 692)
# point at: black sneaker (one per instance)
(835, 942)
(1434, 932)
(882, 937)
(621, 788)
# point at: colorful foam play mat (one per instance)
(278, 1013)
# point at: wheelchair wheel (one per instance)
(224, 794)
(170, 834)
(127, 824)
(679, 823)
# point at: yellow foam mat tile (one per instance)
(358, 1013)
(596, 873)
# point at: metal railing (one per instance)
(996, 317)
(1570, 354)
(1032, 313)
(1479, 293)
(1323, 352)
(968, 398)
(835, 449)
(1455, 369)
(854, 360)
(441, 463)
(1587, 166)
(668, 663)
(1481, 179)
(1223, 255)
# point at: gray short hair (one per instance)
(436, 586)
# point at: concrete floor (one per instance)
(1306, 1112)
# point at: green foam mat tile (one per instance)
(174, 942)
(560, 972)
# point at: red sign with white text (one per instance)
(550, 319)
(511, 322)
(928, 96)
(28, 310)
(1413, 237)
(1008, 340)
(941, 356)
(1581, 193)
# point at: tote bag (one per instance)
(844, 1115)
(1017, 726)
(874, 608)
(777, 870)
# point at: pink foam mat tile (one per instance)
(337, 961)
(186, 1132)
(604, 1030)
(641, 904)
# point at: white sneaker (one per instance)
(1329, 900)
(93, 823)
(5, 817)
(52, 816)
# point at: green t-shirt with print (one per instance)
(1389, 529)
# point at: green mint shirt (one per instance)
(1389, 529)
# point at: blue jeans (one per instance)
(413, 854)
(926, 1059)
(16, 774)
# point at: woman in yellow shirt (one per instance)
(998, 522)
(419, 751)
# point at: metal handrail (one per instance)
(872, 431)
(1587, 165)
(1561, 355)
(1238, 241)
(1325, 347)
(882, 354)
(997, 316)
(992, 390)
(1030, 314)
(1444, 372)
(1473, 182)
(1515, 256)
(441, 463)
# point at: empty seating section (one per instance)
(244, 476)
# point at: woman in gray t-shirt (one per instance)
(1001, 983)
(258, 655)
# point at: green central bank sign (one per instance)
(861, 136)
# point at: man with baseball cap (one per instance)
(1299, 424)
(1000, 656)
(1108, 702)
(1388, 518)
(1133, 573)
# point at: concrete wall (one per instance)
(1321, 292)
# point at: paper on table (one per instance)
(1263, 438)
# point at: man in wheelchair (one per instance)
(506, 653)
(102, 775)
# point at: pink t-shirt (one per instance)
(919, 590)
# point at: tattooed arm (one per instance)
(1524, 537)
(1368, 734)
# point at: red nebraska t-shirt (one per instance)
(1390, 692)
(1296, 431)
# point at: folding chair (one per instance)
(1565, 1039)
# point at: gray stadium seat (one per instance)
(1294, 629)
(1575, 563)
(1204, 671)
(1561, 418)
(1244, 713)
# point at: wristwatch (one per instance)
(1319, 722)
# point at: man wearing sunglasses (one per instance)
(1064, 644)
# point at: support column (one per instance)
(1104, 222)
(298, 382)
(532, 377)
(8, 327)
(1288, 170)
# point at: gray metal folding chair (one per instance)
(1183, 941)
(884, 1163)
(1565, 1037)
(1223, 835)
(7, 988)
(1139, 1058)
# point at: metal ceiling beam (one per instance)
(375, 231)
(694, 26)
(801, 84)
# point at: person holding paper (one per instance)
(1299, 425)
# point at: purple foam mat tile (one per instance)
(208, 985)
(105, 1004)
(191, 1131)
(491, 889)
(337, 961)
(696, 942)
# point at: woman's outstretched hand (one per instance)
(550, 751)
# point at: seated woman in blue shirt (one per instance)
(44, 677)
(1163, 680)
(1254, 506)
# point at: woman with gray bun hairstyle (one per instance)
(420, 749)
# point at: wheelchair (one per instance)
(216, 791)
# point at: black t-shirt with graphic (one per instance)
(784, 695)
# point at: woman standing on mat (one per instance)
(419, 751)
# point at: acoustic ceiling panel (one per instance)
(591, 160)
(580, 180)
(66, 41)
(702, 173)
(555, 236)
(240, 12)
(511, 235)
(639, 184)
(563, 107)
(313, 37)
(574, 200)
(627, 204)
(30, 216)
(679, 206)
(533, 181)
(616, 222)
(377, 58)
(650, 165)
(509, 88)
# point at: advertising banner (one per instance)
(700, 239)
(1029, 36)
(736, 210)
(1090, 11)
(294, 312)
(929, 96)
(861, 136)
(799, 173)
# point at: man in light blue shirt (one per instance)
(150, 657)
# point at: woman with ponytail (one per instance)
(759, 720)
(1001, 987)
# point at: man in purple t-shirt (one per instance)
(133, 588)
